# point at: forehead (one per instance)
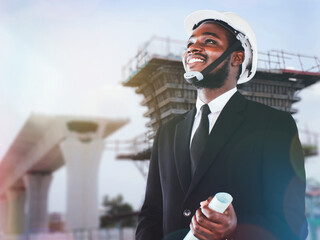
(209, 28)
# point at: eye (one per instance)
(189, 44)
(210, 41)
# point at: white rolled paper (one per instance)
(219, 203)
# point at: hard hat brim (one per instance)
(198, 16)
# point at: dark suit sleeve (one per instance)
(283, 184)
(150, 218)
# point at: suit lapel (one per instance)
(181, 149)
(228, 121)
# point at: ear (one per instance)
(237, 58)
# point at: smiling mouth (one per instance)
(195, 59)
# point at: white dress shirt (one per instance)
(216, 106)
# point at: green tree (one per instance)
(118, 213)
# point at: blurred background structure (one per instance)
(44, 144)
(156, 72)
(65, 59)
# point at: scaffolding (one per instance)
(137, 149)
(157, 71)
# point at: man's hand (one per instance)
(207, 224)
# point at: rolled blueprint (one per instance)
(219, 203)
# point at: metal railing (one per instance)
(99, 234)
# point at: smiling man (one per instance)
(225, 144)
(215, 39)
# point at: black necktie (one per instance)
(200, 138)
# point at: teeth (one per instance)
(192, 60)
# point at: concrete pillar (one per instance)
(16, 214)
(82, 160)
(3, 215)
(37, 187)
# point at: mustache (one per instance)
(189, 55)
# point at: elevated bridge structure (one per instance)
(43, 145)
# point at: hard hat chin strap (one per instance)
(194, 77)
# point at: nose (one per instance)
(195, 47)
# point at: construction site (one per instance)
(45, 143)
(156, 72)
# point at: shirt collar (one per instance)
(217, 104)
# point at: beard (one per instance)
(216, 79)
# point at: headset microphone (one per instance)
(194, 77)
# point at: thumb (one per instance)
(206, 202)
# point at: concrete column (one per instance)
(3, 215)
(37, 187)
(82, 160)
(16, 214)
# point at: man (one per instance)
(225, 144)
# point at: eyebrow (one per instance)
(208, 33)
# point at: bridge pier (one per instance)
(82, 160)
(37, 186)
(3, 214)
(16, 215)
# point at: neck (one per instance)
(206, 95)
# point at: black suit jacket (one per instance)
(253, 153)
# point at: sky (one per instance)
(65, 57)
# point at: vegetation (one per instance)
(118, 213)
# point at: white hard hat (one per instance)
(244, 33)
